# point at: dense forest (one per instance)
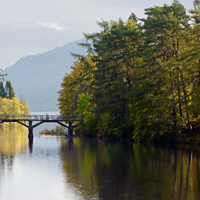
(140, 79)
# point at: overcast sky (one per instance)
(29, 27)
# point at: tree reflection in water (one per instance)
(98, 168)
(12, 141)
(107, 169)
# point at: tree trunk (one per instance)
(186, 103)
(174, 100)
(179, 98)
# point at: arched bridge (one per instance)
(39, 119)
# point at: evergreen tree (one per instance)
(192, 59)
(2, 90)
(116, 60)
(165, 31)
(9, 90)
(138, 81)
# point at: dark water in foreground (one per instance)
(55, 168)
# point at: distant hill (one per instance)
(39, 77)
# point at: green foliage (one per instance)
(85, 108)
(2, 90)
(138, 81)
(9, 90)
(74, 84)
(83, 102)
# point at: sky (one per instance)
(29, 27)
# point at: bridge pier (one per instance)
(70, 129)
(30, 130)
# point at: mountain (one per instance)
(39, 77)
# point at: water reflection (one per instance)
(88, 168)
(13, 140)
(106, 169)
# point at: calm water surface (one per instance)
(56, 168)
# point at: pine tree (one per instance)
(2, 90)
(165, 31)
(143, 80)
(9, 90)
(192, 59)
(116, 61)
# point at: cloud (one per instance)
(30, 27)
(25, 25)
(51, 25)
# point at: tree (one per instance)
(2, 90)
(23, 106)
(192, 59)
(76, 82)
(142, 78)
(165, 32)
(9, 90)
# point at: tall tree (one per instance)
(192, 59)
(165, 32)
(75, 83)
(116, 60)
(2, 90)
(9, 90)
(140, 81)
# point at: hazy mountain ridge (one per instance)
(39, 77)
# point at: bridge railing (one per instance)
(42, 117)
(14, 116)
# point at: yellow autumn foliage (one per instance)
(13, 107)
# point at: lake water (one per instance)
(57, 168)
